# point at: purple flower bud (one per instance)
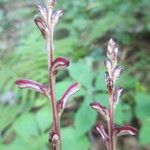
(100, 109)
(117, 95)
(116, 51)
(51, 3)
(101, 130)
(116, 72)
(33, 85)
(56, 16)
(42, 26)
(59, 63)
(43, 10)
(111, 46)
(65, 98)
(108, 65)
(107, 78)
(126, 130)
(112, 53)
(53, 137)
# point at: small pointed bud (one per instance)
(114, 58)
(126, 130)
(101, 130)
(33, 85)
(106, 77)
(100, 109)
(53, 137)
(59, 63)
(56, 16)
(112, 53)
(111, 46)
(42, 26)
(116, 51)
(43, 10)
(60, 106)
(74, 88)
(117, 95)
(51, 3)
(108, 65)
(117, 72)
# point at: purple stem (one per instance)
(112, 143)
(56, 119)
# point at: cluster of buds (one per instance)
(46, 23)
(112, 74)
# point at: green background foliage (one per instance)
(81, 36)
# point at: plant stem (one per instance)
(112, 145)
(56, 119)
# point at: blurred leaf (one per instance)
(82, 72)
(65, 46)
(8, 115)
(84, 118)
(26, 127)
(70, 140)
(119, 115)
(102, 98)
(100, 83)
(144, 131)
(107, 22)
(142, 106)
(44, 118)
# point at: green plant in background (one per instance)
(88, 21)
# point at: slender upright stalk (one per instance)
(52, 79)
(56, 119)
(46, 24)
(110, 121)
(114, 93)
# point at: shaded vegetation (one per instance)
(86, 28)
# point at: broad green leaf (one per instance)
(145, 132)
(142, 105)
(123, 114)
(102, 98)
(8, 115)
(44, 118)
(119, 115)
(84, 118)
(26, 127)
(100, 82)
(38, 143)
(127, 113)
(71, 141)
(82, 72)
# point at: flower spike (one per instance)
(46, 23)
(112, 73)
